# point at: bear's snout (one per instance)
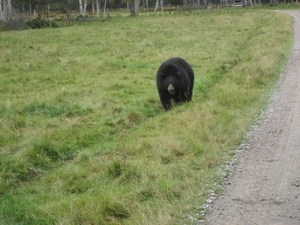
(171, 89)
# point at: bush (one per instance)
(15, 24)
(54, 24)
(82, 17)
(39, 23)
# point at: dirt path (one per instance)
(264, 187)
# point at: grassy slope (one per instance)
(83, 137)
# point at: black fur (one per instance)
(175, 80)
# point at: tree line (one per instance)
(101, 7)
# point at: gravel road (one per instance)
(264, 186)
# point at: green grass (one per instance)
(83, 137)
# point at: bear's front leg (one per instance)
(165, 99)
(166, 103)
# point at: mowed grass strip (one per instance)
(84, 139)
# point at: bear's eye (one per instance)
(178, 74)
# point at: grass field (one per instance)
(83, 137)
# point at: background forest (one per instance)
(9, 8)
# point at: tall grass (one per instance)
(84, 139)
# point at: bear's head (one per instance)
(171, 79)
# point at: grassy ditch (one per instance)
(83, 137)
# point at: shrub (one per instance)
(82, 17)
(39, 23)
(14, 24)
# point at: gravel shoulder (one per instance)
(264, 185)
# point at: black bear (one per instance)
(174, 80)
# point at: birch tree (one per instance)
(136, 6)
(6, 10)
(30, 8)
(9, 10)
(104, 7)
(48, 12)
(84, 7)
(156, 6)
(81, 8)
(98, 7)
(161, 3)
(1, 13)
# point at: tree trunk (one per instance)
(136, 6)
(81, 8)
(1, 12)
(162, 5)
(6, 13)
(68, 13)
(30, 10)
(48, 12)
(156, 6)
(39, 9)
(98, 8)
(104, 7)
(68, 17)
(84, 7)
(4, 10)
(147, 5)
(9, 10)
